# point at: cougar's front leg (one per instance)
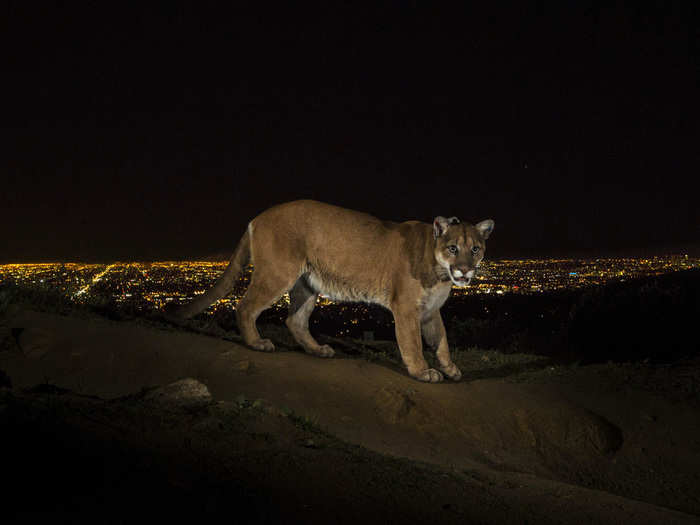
(434, 334)
(408, 337)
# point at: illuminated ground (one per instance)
(547, 444)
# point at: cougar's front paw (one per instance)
(321, 351)
(429, 375)
(264, 345)
(452, 372)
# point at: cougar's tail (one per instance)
(224, 285)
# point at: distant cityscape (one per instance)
(148, 286)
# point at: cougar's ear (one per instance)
(485, 228)
(440, 225)
(453, 220)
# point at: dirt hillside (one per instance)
(576, 443)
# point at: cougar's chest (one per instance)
(434, 297)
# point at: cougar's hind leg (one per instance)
(301, 303)
(267, 285)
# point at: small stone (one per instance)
(185, 392)
(35, 342)
(243, 366)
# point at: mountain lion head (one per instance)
(459, 248)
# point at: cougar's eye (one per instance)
(452, 249)
(475, 250)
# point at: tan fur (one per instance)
(308, 247)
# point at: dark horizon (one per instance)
(147, 133)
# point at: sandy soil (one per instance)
(290, 436)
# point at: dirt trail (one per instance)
(559, 433)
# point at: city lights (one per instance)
(151, 285)
(95, 279)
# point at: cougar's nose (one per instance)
(464, 270)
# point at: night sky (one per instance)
(159, 132)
